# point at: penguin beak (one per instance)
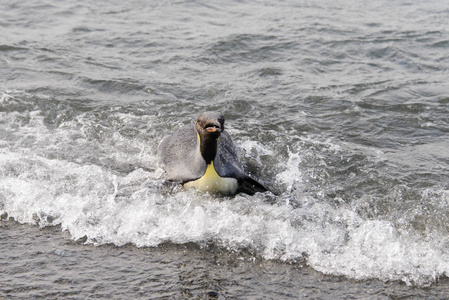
(213, 128)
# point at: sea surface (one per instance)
(340, 105)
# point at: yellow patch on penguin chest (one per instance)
(212, 182)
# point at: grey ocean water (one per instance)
(341, 105)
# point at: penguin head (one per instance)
(210, 124)
(209, 127)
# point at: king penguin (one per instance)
(202, 155)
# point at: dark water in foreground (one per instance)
(340, 105)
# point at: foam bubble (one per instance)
(291, 176)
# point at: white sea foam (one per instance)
(291, 176)
(97, 203)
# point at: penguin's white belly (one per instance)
(212, 182)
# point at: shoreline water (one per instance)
(342, 105)
(47, 263)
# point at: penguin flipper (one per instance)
(251, 186)
(227, 165)
(226, 161)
